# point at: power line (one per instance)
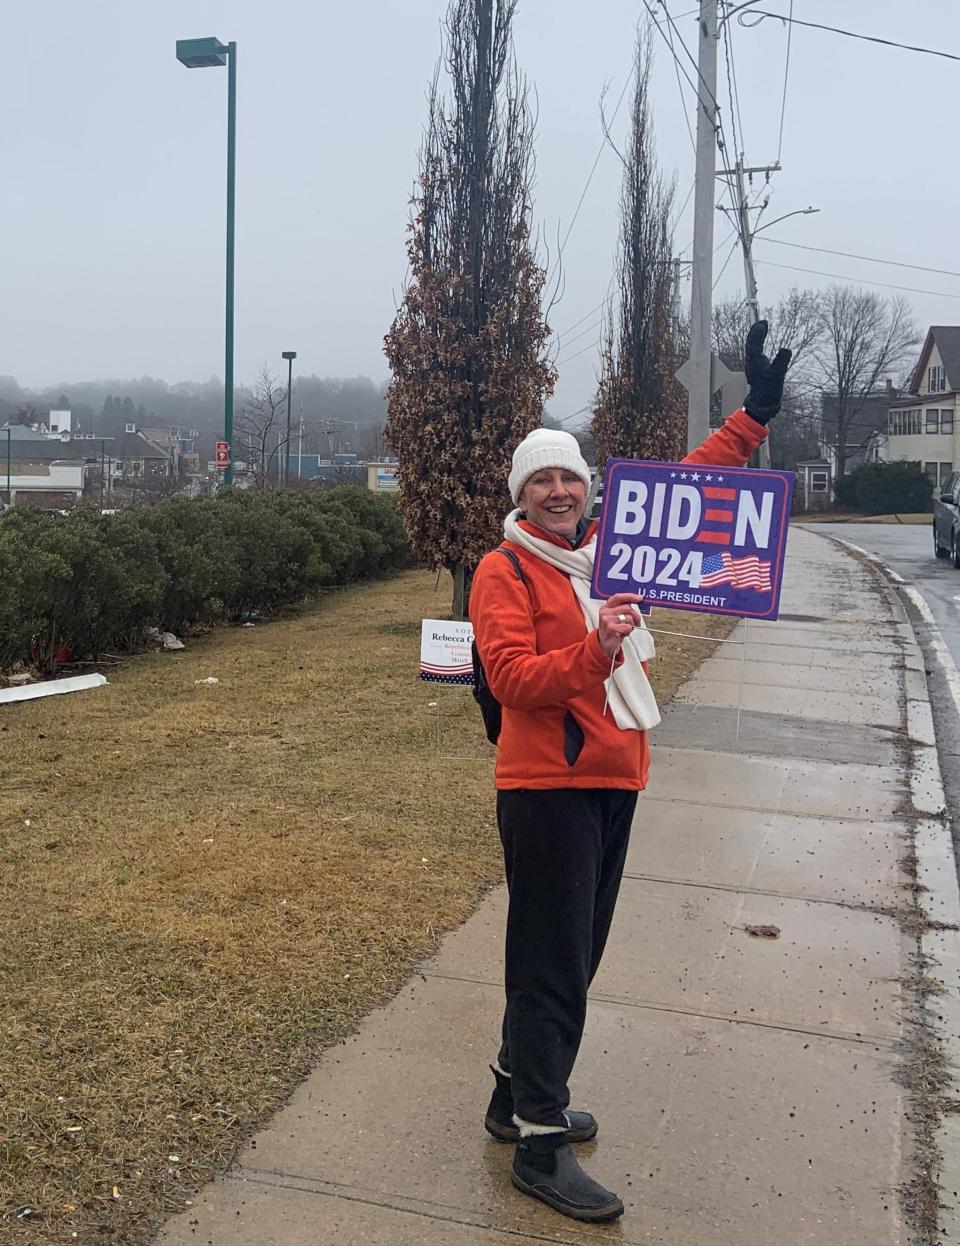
(729, 237)
(736, 86)
(683, 103)
(734, 110)
(725, 263)
(836, 30)
(593, 170)
(690, 58)
(734, 115)
(579, 353)
(786, 74)
(593, 311)
(718, 119)
(679, 215)
(573, 414)
(583, 333)
(872, 259)
(941, 294)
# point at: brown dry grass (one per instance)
(203, 885)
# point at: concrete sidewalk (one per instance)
(746, 1088)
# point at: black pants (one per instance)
(564, 851)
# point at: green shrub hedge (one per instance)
(87, 583)
(886, 489)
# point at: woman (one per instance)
(570, 675)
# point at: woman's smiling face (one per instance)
(554, 498)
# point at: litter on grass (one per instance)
(52, 687)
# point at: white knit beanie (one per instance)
(545, 447)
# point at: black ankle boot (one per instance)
(498, 1122)
(546, 1168)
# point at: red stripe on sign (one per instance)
(714, 538)
(725, 495)
(719, 516)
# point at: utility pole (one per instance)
(746, 243)
(699, 388)
(675, 294)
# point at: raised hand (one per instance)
(764, 378)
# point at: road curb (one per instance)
(936, 873)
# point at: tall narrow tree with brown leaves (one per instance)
(467, 346)
(639, 411)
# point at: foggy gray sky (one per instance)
(112, 208)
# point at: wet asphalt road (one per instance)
(907, 549)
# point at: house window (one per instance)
(933, 420)
(946, 421)
(935, 379)
(931, 470)
(818, 482)
(946, 471)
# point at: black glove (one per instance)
(764, 378)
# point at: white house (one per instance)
(922, 424)
(60, 423)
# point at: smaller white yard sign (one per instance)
(445, 656)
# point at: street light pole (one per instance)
(9, 433)
(200, 54)
(289, 355)
(231, 216)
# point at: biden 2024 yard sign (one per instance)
(691, 537)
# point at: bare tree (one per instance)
(29, 414)
(262, 429)
(865, 339)
(639, 410)
(467, 346)
(796, 322)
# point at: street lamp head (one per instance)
(200, 53)
(289, 354)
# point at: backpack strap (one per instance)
(508, 553)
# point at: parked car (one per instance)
(946, 521)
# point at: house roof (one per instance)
(136, 446)
(49, 450)
(913, 401)
(870, 417)
(947, 338)
(20, 432)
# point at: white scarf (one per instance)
(628, 690)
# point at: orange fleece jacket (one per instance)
(544, 667)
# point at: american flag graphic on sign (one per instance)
(746, 572)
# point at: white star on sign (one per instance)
(683, 475)
(694, 475)
(720, 478)
(673, 475)
(708, 478)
